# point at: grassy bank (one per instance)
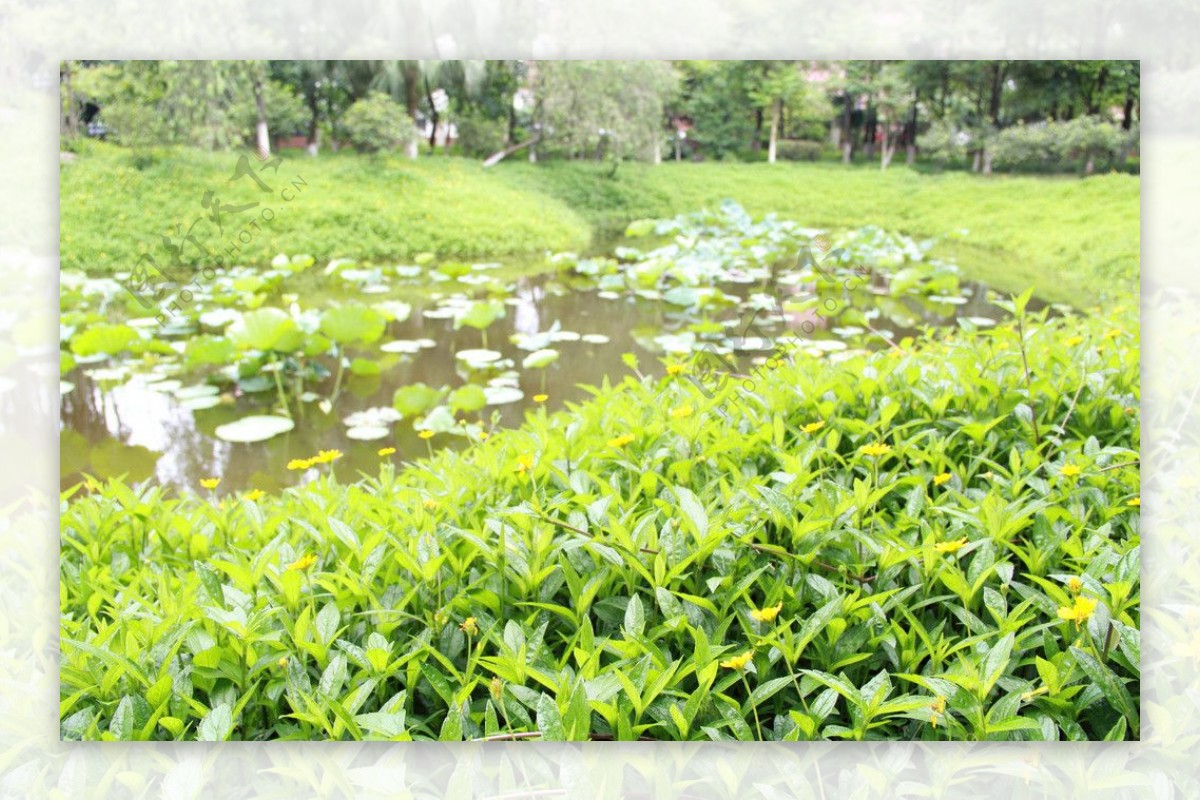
(336, 206)
(939, 542)
(1075, 241)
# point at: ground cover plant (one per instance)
(1010, 232)
(935, 540)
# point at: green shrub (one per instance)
(799, 150)
(939, 541)
(378, 123)
(481, 136)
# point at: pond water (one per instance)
(146, 423)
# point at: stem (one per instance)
(753, 706)
(1037, 436)
(279, 388)
(337, 382)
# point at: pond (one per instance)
(477, 348)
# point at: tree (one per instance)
(715, 97)
(377, 122)
(590, 108)
(781, 84)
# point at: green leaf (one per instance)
(1110, 686)
(353, 324)
(217, 725)
(549, 721)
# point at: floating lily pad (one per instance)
(401, 346)
(368, 433)
(255, 428)
(596, 339)
(197, 404)
(478, 356)
(196, 391)
(540, 358)
(497, 396)
(375, 417)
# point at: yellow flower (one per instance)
(325, 457)
(495, 686)
(621, 441)
(1134, 501)
(1070, 470)
(1112, 333)
(767, 614)
(876, 449)
(811, 427)
(303, 563)
(1075, 585)
(282, 662)
(469, 627)
(738, 662)
(299, 464)
(950, 547)
(254, 495)
(386, 451)
(524, 462)
(682, 411)
(541, 398)
(430, 503)
(210, 483)
(938, 707)
(1071, 341)
(940, 479)
(426, 434)
(1080, 612)
(676, 369)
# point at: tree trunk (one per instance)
(775, 108)
(998, 72)
(1127, 118)
(910, 133)
(987, 162)
(1090, 166)
(756, 143)
(412, 89)
(263, 133)
(72, 116)
(870, 126)
(889, 146)
(847, 139)
(975, 161)
(496, 158)
(314, 129)
(433, 116)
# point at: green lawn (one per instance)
(1074, 240)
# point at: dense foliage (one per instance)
(1012, 233)
(935, 541)
(378, 123)
(613, 110)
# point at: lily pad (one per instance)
(255, 428)
(353, 323)
(540, 358)
(368, 433)
(266, 329)
(401, 346)
(204, 402)
(478, 356)
(497, 396)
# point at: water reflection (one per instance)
(127, 428)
